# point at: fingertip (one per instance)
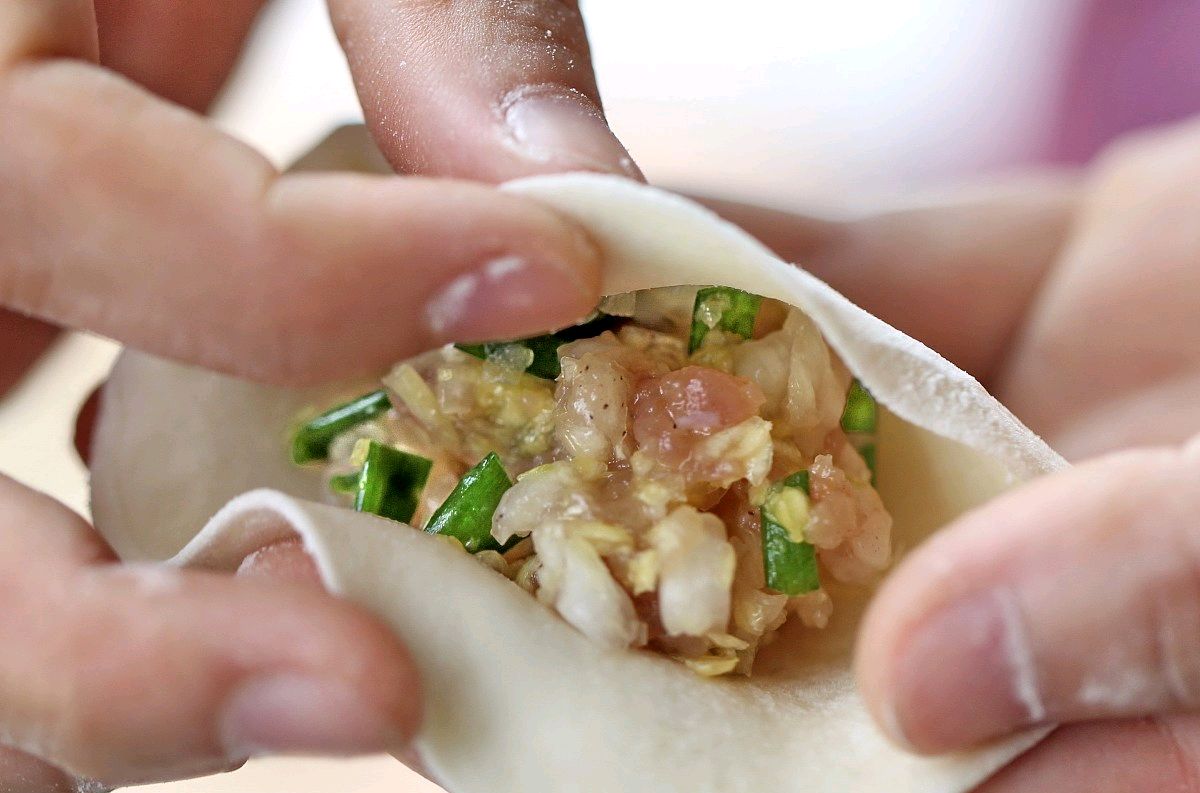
(875, 652)
(384, 684)
(869, 672)
(980, 633)
(942, 659)
(555, 128)
(509, 297)
(295, 713)
(363, 272)
(212, 670)
(479, 90)
(380, 670)
(346, 655)
(323, 658)
(964, 675)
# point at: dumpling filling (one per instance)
(679, 472)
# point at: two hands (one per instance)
(1073, 599)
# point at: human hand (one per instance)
(1073, 599)
(132, 217)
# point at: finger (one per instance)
(154, 43)
(138, 221)
(959, 273)
(23, 340)
(479, 89)
(24, 773)
(1072, 598)
(1136, 756)
(133, 674)
(1133, 263)
(286, 561)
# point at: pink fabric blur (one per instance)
(1136, 64)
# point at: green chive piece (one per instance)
(480, 351)
(860, 414)
(790, 566)
(391, 482)
(798, 479)
(732, 310)
(545, 356)
(545, 347)
(345, 483)
(860, 420)
(867, 452)
(466, 514)
(311, 442)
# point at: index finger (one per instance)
(477, 88)
(134, 219)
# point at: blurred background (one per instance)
(805, 104)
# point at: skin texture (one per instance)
(517, 74)
(1075, 302)
(143, 222)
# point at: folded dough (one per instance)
(518, 701)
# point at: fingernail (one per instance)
(507, 297)
(560, 127)
(297, 714)
(965, 676)
(285, 561)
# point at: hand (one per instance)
(123, 212)
(1074, 599)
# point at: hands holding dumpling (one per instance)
(1074, 299)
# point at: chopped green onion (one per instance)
(545, 347)
(391, 482)
(345, 483)
(798, 479)
(790, 565)
(860, 419)
(466, 514)
(860, 414)
(867, 452)
(724, 307)
(311, 442)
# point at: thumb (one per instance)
(1074, 598)
(479, 89)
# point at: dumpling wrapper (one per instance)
(517, 700)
